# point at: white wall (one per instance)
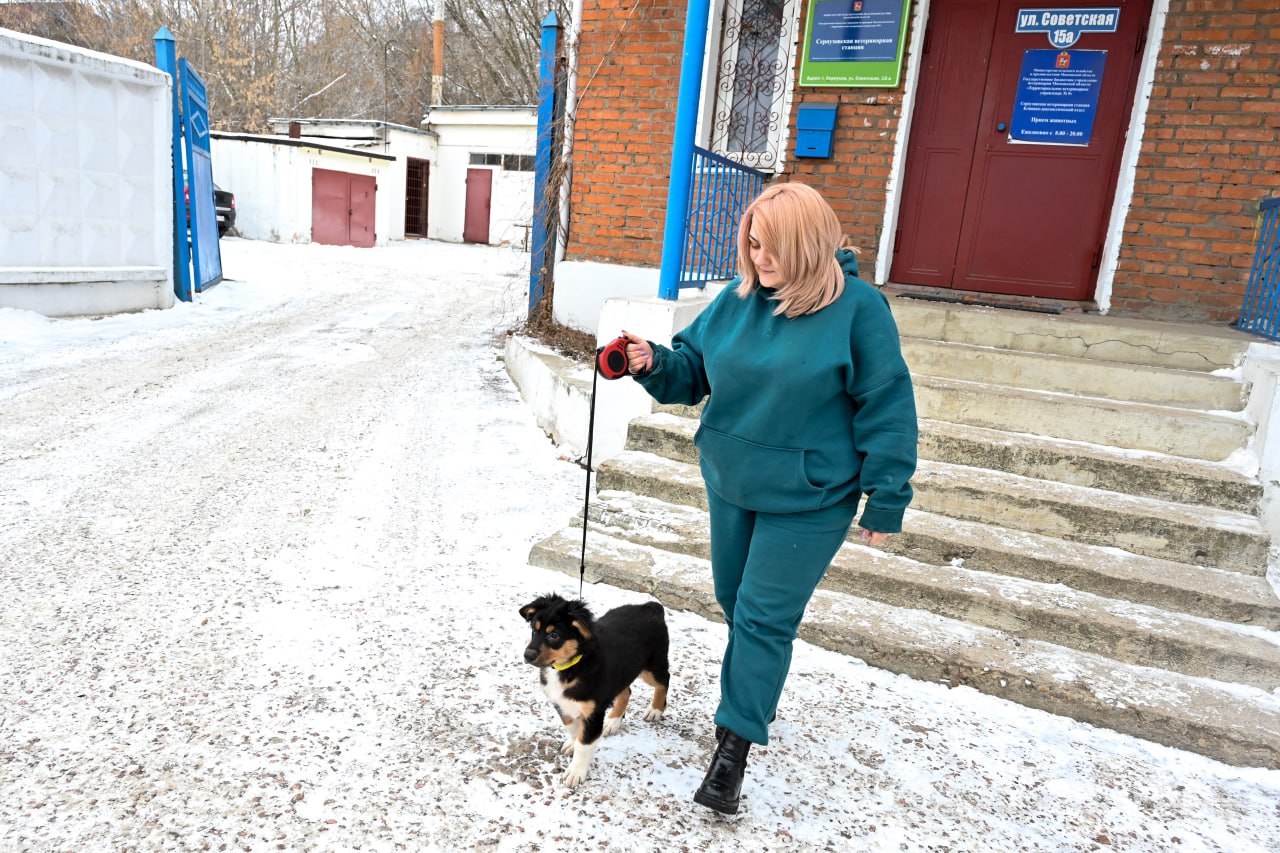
(86, 186)
(405, 145)
(272, 184)
(463, 131)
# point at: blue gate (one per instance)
(1261, 310)
(206, 256)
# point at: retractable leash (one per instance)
(611, 360)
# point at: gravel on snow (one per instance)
(261, 558)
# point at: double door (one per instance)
(343, 208)
(985, 208)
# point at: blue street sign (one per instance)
(1064, 26)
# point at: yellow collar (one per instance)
(561, 667)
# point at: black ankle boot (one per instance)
(721, 788)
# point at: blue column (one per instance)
(673, 235)
(539, 257)
(167, 61)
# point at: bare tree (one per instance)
(316, 58)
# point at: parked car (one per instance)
(224, 202)
(224, 205)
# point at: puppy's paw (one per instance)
(653, 715)
(573, 777)
(567, 746)
(612, 725)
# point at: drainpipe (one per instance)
(437, 55)
(695, 40)
(570, 113)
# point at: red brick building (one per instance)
(940, 178)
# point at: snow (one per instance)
(261, 558)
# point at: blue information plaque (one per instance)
(1057, 96)
(855, 30)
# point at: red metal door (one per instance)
(1033, 215)
(343, 208)
(364, 193)
(953, 76)
(330, 203)
(475, 225)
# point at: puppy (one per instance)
(587, 667)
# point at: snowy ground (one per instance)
(261, 559)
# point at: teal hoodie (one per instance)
(802, 413)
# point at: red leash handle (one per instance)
(611, 359)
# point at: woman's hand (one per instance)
(872, 538)
(639, 354)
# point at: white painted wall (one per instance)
(86, 187)
(395, 140)
(491, 130)
(583, 287)
(404, 145)
(272, 183)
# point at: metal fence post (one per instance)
(695, 38)
(167, 61)
(540, 256)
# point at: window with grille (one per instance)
(751, 80)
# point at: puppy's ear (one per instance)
(528, 612)
(583, 629)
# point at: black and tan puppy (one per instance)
(587, 667)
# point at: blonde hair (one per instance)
(797, 226)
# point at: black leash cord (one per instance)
(586, 499)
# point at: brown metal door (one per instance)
(364, 195)
(417, 182)
(1033, 215)
(475, 225)
(330, 206)
(945, 122)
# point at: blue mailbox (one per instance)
(815, 127)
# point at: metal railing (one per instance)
(718, 195)
(1261, 311)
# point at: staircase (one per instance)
(1082, 539)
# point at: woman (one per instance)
(810, 407)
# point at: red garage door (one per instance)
(342, 208)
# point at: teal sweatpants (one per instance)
(766, 567)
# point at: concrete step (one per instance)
(1128, 632)
(1128, 341)
(1230, 596)
(1180, 533)
(1150, 475)
(1228, 722)
(1161, 386)
(1108, 572)
(1143, 474)
(1208, 436)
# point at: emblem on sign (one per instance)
(1064, 26)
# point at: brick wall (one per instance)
(628, 79)
(1209, 155)
(1210, 151)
